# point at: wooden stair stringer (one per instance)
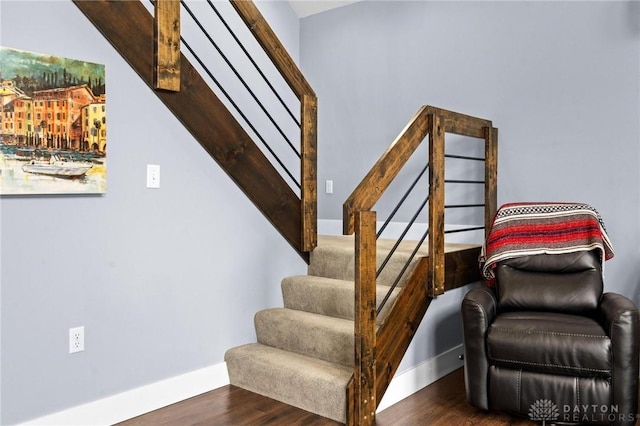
(129, 27)
(399, 327)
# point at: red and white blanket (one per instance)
(522, 229)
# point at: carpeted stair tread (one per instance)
(310, 384)
(305, 351)
(319, 336)
(328, 296)
(333, 258)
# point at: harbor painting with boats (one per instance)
(53, 127)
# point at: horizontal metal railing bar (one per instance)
(402, 200)
(463, 181)
(464, 157)
(458, 206)
(473, 228)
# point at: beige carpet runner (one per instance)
(304, 353)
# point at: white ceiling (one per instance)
(304, 8)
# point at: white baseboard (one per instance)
(425, 373)
(147, 398)
(141, 400)
(151, 397)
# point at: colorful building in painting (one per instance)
(58, 115)
(61, 118)
(23, 120)
(9, 91)
(16, 116)
(94, 126)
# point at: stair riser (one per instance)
(337, 265)
(325, 338)
(315, 387)
(328, 297)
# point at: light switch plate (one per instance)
(328, 187)
(153, 176)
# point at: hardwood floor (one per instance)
(442, 403)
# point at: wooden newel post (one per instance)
(436, 206)
(309, 187)
(365, 318)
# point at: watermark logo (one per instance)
(543, 410)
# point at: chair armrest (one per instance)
(617, 313)
(619, 318)
(478, 311)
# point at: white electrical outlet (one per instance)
(153, 176)
(76, 340)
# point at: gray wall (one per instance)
(561, 81)
(164, 280)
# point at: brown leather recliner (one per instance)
(547, 344)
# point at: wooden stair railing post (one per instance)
(167, 45)
(365, 319)
(436, 206)
(308, 171)
(490, 177)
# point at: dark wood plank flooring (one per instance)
(442, 403)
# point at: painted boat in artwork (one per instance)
(57, 167)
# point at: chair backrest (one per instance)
(570, 282)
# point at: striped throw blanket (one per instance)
(522, 229)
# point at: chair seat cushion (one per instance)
(549, 342)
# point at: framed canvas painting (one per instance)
(53, 125)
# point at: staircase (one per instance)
(331, 350)
(304, 351)
(328, 350)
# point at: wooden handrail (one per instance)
(283, 62)
(369, 191)
(371, 380)
(273, 47)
